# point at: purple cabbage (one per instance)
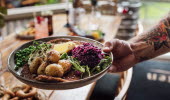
(88, 54)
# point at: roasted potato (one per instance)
(65, 64)
(54, 70)
(41, 68)
(35, 64)
(53, 56)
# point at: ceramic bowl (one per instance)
(60, 85)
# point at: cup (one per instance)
(41, 27)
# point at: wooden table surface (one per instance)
(109, 25)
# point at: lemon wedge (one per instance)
(96, 35)
(64, 47)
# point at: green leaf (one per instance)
(88, 70)
(76, 65)
(96, 69)
(3, 10)
(64, 56)
(2, 21)
(102, 65)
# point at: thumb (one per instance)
(107, 47)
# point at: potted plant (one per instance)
(3, 12)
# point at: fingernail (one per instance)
(106, 49)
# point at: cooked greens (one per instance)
(86, 69)
(76, 64)
(23, 56)
(40, 50)
(64, 56)
(105, 62)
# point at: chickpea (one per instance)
(53, 56)
(54, 70)
(65, 64)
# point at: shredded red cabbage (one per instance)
(88, 54)
(77, 73)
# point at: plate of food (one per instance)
(26, 33)
(61, 62)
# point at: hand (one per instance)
(123, 56)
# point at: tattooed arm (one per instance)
(154, 42)
(142, 47)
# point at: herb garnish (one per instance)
(24, 55)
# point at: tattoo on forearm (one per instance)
(153, 43)
(160, 35)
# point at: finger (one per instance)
(107, 47)
(110, 45)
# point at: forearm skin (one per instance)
(154, 42)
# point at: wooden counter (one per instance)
(109, 24)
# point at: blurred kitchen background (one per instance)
(97, 19)
(145, 13)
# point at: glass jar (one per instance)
(41, 27)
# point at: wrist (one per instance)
(140, 51)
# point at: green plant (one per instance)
(53, 1)
(3, 12)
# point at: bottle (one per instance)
(76, 12)
(94, 2)
(48, 15)
(94, 16)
